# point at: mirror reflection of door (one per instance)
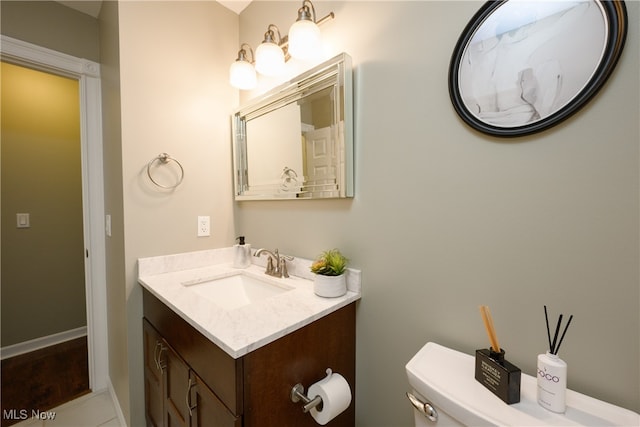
(321, 161)
(44, 346)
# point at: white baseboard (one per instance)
(42, 342)
(116, 404)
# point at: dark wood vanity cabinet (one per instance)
(189, 381)
(174, 394)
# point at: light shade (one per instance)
(304, 40)
(242, 75)
(269, 59)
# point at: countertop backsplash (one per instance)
(299, 267)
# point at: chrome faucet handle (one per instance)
(270, 269)
(283, 264)
(283, 267)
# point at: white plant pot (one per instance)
(330, 286)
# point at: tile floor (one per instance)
(91, 410)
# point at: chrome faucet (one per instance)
(280, 268)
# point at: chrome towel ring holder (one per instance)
(163, 159)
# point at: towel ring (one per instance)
(164, 158)
(289, 179)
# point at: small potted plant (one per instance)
(329, 269)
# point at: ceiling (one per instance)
(236, 5)
(92, 7)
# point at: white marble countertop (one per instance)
(243, 329)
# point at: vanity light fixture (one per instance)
(304, 34)
(270, 54)
(303, 42)
(242, 74)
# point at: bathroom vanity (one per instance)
(210, 365)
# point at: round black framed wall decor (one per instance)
(523, 66)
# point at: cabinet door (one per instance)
(299, 357)
(208, 410)
(176, 386)
(153, 381)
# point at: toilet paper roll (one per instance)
(336, 397)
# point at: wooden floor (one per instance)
(44, 379)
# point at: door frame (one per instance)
(88, 75)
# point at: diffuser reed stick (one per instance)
(563, 333)
(554, 346)
(555, 336)
(488, 325)
(546, 318)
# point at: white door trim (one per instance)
(88, 75)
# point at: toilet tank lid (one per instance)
(445, 377)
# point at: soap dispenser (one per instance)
(242, 257)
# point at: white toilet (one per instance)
(445, 390)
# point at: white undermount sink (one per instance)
(236, 290)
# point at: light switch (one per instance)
(107, 225)
(23, 220)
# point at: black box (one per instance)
(498, 375)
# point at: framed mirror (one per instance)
(296, 142)
(522, 66)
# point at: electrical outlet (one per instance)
(204, 226)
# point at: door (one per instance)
(88, 75)
(42, 228)
(321, 167)
(208, 410)
(154, 366)
(177, 387)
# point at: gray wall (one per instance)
(445, 219)
(174, 98)
(52, 25)
(43, 281)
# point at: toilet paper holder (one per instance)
(297, 395)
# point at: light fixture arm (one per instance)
(326, 18)
(308, 12)
(303, 12)
(242, 53)
(269, 36)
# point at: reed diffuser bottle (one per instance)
(552, 382)
(552, 371)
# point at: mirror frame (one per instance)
(615, 27)
(335, 73)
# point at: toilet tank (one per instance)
(445, 378)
